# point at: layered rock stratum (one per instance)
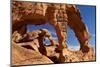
(29, 47)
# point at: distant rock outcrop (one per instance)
(29, 47)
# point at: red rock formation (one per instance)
(59, 16)
(80, 30)
(24, 56)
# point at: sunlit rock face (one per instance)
(29, 47)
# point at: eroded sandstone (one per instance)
(29, 45)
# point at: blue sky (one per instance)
(88, 16)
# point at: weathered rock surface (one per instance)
(58, 15)
(24, 56)
(35, 52)
(29, 47)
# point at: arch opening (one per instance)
(72, 40)
(47, 26)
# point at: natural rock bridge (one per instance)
(60, 16)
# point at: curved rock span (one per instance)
(28, 47)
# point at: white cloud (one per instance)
(74, 47)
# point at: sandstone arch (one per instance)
(58, 15)
(80, 29)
